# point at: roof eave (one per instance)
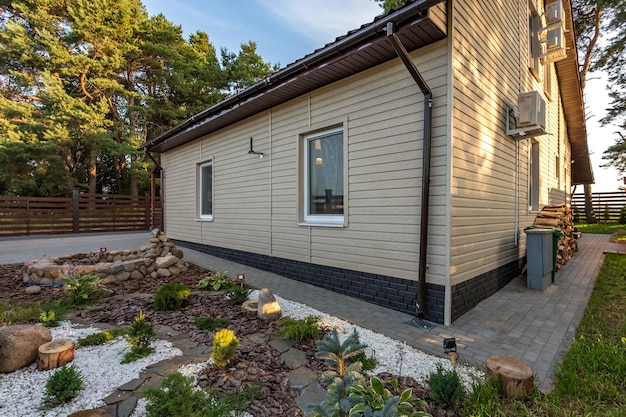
(574, 106)
(355, 40)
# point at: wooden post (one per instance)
(147, 207)
(75, 211)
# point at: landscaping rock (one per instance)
(114, 266)
(19, 344)
(166, 261)
(34, 289)
(268, 308)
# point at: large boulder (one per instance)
(19, 344)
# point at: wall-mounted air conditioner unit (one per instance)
(554, 13)
(555, 48)
(552, 35)
(532, 110)
(529, 120)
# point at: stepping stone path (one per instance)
(122, 402)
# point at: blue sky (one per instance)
(286, 30)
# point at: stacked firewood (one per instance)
(560, 217)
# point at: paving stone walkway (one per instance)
(122, 402)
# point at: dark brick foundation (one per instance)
(468, 294)
(395, 293)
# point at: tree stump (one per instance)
(53, 354)
(515, 375)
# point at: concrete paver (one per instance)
(531, 325)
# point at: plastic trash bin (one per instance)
(539, 257)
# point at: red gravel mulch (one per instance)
(254, 362)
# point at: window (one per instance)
(534, 178)
(534, 46)
(324, 177)
(205, 191)
(547, 81)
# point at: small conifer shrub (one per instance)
(225, 345)
(63, 386)
(171, 297)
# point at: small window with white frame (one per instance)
(324, 177)
(205, 191)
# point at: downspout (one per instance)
(410, 66)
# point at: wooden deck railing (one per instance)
(78, 214)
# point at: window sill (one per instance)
(204, 220)
(322, 224)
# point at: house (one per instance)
(399, 164)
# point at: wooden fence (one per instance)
(606, 206)
(80, 213)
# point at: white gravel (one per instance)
(21, 392)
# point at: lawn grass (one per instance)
(591, 379)
(26, 313)
(600, 228)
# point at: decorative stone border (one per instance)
(158, 258)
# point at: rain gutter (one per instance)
(303, 65)
(419, 80)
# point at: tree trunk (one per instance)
(53, 354)
(589, 214)
(92, 171)
(515, 375)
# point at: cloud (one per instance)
(323, 20)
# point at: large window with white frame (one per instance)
(324, 177)
(205, 191)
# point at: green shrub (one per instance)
(63, 386)
(171, 297)
(82, 289)
(301, 330)
(446, 387)
(176, 397)
(140, 336)
(100, 338)
(217, 281)
(224, 347)
(52, 313)
(211, 323)
(368, 362)
(238, 295)
(49, 318)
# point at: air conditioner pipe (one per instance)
(410, 66)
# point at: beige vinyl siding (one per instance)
(490, 69)
(256, 200)
(241, 187)
(180, 204)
